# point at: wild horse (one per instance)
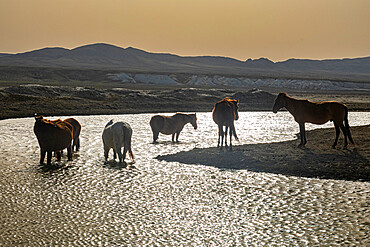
(305, 111)
(224, 113)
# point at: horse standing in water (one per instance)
(53, 136)
(224, 113)
(171, 125)
(115, 136)
(305, 111)
(76, 132)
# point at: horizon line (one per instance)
(180, 55)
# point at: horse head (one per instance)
(38, 117)
(193, 120)
(109, 123)
(279, 102)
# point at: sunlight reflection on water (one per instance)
(87, 202)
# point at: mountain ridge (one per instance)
(107, 56)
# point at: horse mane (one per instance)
(283, 94)
(227, 100)
(52, 123)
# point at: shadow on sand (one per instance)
(316, 160)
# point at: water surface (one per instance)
(151, 202)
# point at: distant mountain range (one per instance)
(108, 57)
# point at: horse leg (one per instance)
(69, 152)
(177, 136)
(219, 135)
(124, 153)
(231, 135)
(50, 153)
(42, 158)
(337, 132)
(120, 156)
(344, 133)
(225, 133)
(303, 134)
(114, 154)
(173, 137)
(59, 155)
(118, 150)
(77, 144)
(106, 151)
(155, 136)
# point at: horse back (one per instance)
(172, 124)
(167, 124)
(223, 112)
(322, 112)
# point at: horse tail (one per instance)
(346, 124)
(131, 154)
(127, 141)
(232, 127)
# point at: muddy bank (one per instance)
(25, 100)
(316, 160)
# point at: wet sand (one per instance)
(316, 160)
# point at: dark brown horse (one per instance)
(53, 136)
(305, 111)
(76, 132)
(171, 125)
(224, 113)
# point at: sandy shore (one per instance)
(316, 160)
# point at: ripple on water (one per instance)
(152, 202)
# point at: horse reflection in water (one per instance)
(115, 136)
(305, 111)
(171, 125)
(224, 113)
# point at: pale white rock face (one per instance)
(155, 79)
(217, 80)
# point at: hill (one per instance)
(109, 57)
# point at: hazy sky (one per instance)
(275, 29)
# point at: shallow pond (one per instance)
(152, 202)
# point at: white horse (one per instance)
(117, 135)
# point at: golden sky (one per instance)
(242, 29)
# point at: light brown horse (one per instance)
(171, 125)
(76, 132)
(305, 111)
(53, 136)
(224, 113)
